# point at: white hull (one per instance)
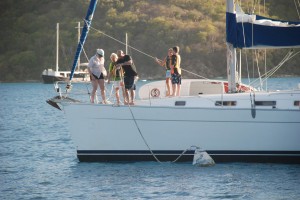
(236, 127)
(227, 133)
(50, 76)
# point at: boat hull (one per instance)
(47, 79)
(123, 133)
(286, 157)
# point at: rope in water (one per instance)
(146, 143)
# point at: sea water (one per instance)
(38, 161)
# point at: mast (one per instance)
(126, 39)
(231, 55)
(85, 30)
(78, 40)
(57, 43)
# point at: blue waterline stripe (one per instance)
(284, 157)
(197, 121)
(213, 152)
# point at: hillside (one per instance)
(28, 34)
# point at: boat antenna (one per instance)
(57, 43)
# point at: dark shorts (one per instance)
(129, 82)
(176, 79)
(101, 76)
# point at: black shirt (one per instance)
(128, 69)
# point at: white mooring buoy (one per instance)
(202, 159)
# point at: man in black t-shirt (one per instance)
(130, 73)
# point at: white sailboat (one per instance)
(50, 75)
(232, 126)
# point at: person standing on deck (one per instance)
(97, 73)
(167, 64)
(116, 75)
(176, 72)
(125, 61)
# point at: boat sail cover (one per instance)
(85, 30)
(254, 31)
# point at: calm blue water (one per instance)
(38, 161)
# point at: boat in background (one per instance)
(231, 124)
(51, 76)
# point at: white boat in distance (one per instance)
(231, 125)
(51, 76)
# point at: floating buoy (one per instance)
(202, 158)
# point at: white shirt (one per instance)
(96, 66)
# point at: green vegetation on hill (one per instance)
(28, 34)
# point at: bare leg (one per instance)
(124, 93)
(174, 89)
(117, 95)
(132, 96)
(126, 101)
(178, 90)
(95, 85)
(168, 87)
(102, 88)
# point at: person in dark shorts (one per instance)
(130, 74)
(97, 72)
(176, 72)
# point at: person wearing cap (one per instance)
(97, 74)
(130, 73)
(176, 72)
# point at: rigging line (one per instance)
(265, 54)
(281, 64)
(247, 64)
(195, 74)
(252, 97)
(258, 71)
(123, 43)
(271, 71)
(285, 59)
(252, 40)
(87, 58)
(268, 74)
(110, 93)
(146, 143)
(88, 91)
(138, 49)
(297, 8)
(254, 2)
(142, 135)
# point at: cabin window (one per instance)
(180, 103)
(225, 103)
(265, 103)
(296, 103)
